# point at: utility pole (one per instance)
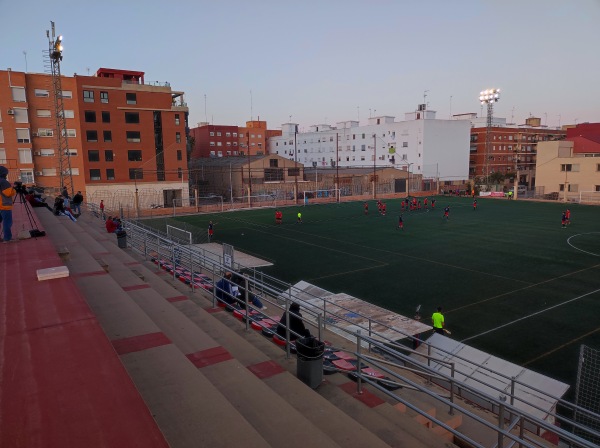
(296, 163)
(337, 166)
(374, 165)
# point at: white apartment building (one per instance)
(421, 144)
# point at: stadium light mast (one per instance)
(489, 97)
(55, 57)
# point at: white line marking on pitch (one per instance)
(530, 315)
(581, 250)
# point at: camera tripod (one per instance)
(20, 199)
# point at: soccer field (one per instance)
(511, 280)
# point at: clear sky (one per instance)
(330, 60)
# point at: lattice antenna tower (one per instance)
(55, 56)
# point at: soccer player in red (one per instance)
(400, 223)
(383, 209)
(278, 217)
(402, 205)
(447, 213)
(425, 203)
(568, 216)
(432, 204)
(366, 207)
(475, 204)
(419, 205)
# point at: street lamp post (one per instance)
(489, 97)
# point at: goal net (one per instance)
(590, 197)
(258, 200)
(587, 392)
(321, 196)
(178, 235)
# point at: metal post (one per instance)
(500, 426)
(451, 412)
(287, 324)
(319, 326)
(214, 290)
(246, 294)
(512, 391)
(370, 332)
(358, 373)
(173, 259)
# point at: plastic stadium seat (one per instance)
(279, 340)
(342, 364)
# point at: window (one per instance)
(228, 134)
(91, 136)
(67, 94)
(72, 152)
(179, 154)
(48, 171)
(105, 117)
(69, 114)
(1, 136)
(89, 116)
(133, 137)
(569, 167)
(25, 155)
(21, 116)
(178, 137)
(43, 113)
(131, 98)
(235, 134)
(43, 132)
(26, 176)
(405, 144)
(273, 174)
(132, 117)
(88, 97)
(218, 134)
(176, 119)
(104, 98)
(93, 155)
(363, 148)
(95, 174)
(273, 163)
(134, 155)
(212, 134)
(18, 94)
(212, 143)
(42, 93)
(136, 173)
(23, 136)
(47, 153)
(218, 143)
(107, 136)
(2, 155)
(110, 174)
(74, 171)
(108, 155)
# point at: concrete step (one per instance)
(186, 406)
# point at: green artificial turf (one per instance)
(486, 268)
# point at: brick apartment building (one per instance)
(512, 148)
(231, 141)
(27, 129)
(123, 134)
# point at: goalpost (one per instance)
(591, 197)
(179, 235)
(321, 196)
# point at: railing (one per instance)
(151, 243)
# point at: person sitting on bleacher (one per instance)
(238, 291)
(224, 291)
(297, 328)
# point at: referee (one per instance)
(438, 321)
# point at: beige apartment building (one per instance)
(570, 169)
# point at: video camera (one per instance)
(19, 187)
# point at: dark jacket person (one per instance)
(296, 324)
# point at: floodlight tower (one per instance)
(55, 56)
(489, 97)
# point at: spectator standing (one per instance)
(102, 208)
(6, 203)
(77, 200)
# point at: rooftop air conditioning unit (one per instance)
(34, 134)
(39, 173)
(10, 111)
(37, 153)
